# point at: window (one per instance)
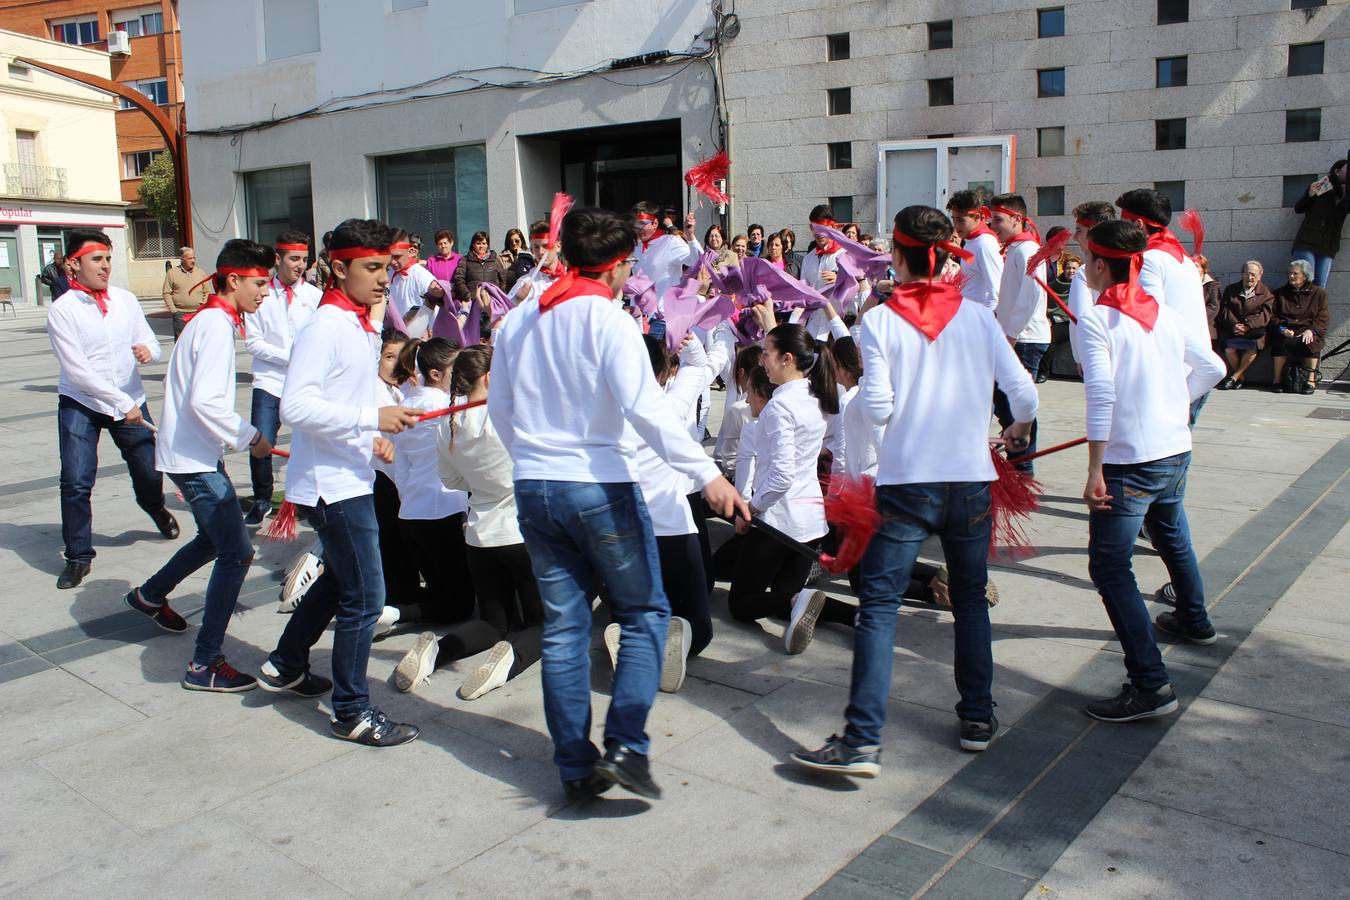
(940, 35)
(1172, 71)
(941, 92)
(152, 239)
(1049, 82)
(427, 190)
(1050, 141)
(400, 5)
(1306, 4)
(1171, 12)
(1295, 186)
(1170, 134)
(1050, 201)
(291, 28)
(1050, 22)
(1302, 125)
(836, 46)
(840, 101)
(20, 72)
(278, 199)
(25, 144)
(76, 31)
(138, 22)
(841, 155)
(843, 209)
(1306, 59)
(157, 89)
(135, 164)
(1175, 191)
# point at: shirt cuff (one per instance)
(370, 418)
(707, 475)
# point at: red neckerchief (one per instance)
(412, 261)
(335, 297)
(1023, 235)
(1167, 242)
(571, 284)
(1131, 300)
(217, 302)
(978, 230)
(928, 306)
(99, 297)
(652, 240)
(290, 292)
(555, 271)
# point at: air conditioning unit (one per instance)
(119, 43)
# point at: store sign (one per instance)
(16, 212)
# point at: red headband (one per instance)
(241, 271)
(828, 223)
(401, 245)
(1111, 252)
(960, 253)
(981, 211)
(646, 217)
(1135, 217)
(89, 248)
(1086, 224)
(285, 248)
(606, 267)
(538, 235)
(1010, 212)
(347, 254)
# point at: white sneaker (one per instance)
(417, 664)
(678, 638)
(302, 574)
(491, 674)
(387, 620)
(612, 644)
(806, 607)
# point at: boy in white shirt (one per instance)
(269, 333)
(99, 335)
(820, 269)
(982, 275)
(660, 256)
(1086, 216)
(199, 427)
(411, 285)
(930, 362)
(1141, 367)
(330, 403)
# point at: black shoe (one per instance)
(1131, 704)
(159, 613)
(582, 789)
(166, 523)
(72, 575)
(1227, 384)
(374, 729)
(1235, 386)
(1306, 388)
(306, 684)
(1278, 389)
(977, 735)
(1197, 634)
(628, 769)
(1042, 378)
(839, 758)
(257, 513)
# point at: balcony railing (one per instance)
(35, 182)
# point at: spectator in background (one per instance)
(755, 236)
(481, 266)
(1244, 312)
(792, 260)
(323, 272)
(1324, 208)
(416, 241)
(444, 263)
(185, 289)
(512, 246)
(54, 275)
(714, 240)
(773, 250)
(1299, 325)
(1210, 284)
(521, 261)
(852, 231)
(740, 245)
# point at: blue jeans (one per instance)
(351, 589)
(266, 417)
(1321, 265)
(221, 536)
(958, 513)
(580, 535)
(78, 431)
(1030, 357)
(1149, 492)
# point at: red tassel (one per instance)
(1190, 221)
(284, 526)
(704, 176)
(562, 204)
(1013, 497)
(1051, 249)
(851, 507)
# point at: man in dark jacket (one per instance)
(1324, 208)
(54, 276)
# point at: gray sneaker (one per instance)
(841, 759)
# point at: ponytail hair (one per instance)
(814, 360)
(436, 353)
(747, 361)
(406, 367)
(846, 357)
(471, 364)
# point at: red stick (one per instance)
(1055, 449)
(285, 453)
(1055, 297)
(449, 410)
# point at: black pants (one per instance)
(509, 609)
(402, 578)
(685, 585)
(724, 560)
(918, 587)
(768, 575)
(439, 548)
(699, 507)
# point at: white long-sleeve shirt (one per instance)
(472, 458)
(1178, 285)
(982, 277)
(813, 264)
(862, 441)
(199, 423)
(1081, 299)
(329, 404)
(270, 332)
(665, 490)
(745, 458)
(788, 439)
(98, 369)
(421, 493)
(1021, 301)
(406, 291)
(565, 385)
(933, 396)
(836, 435)
(1139, 384)
(663, 260)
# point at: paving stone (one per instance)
(52, 709)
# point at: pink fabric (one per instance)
(443, 269)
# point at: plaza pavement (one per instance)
(118, 783)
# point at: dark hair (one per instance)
(846, 357)
(471, 364)
(964, 201)
(484, 236)
(243, 254)
(539, 227)
(362, 233)
(416, 240)
(445, 233)
(707, 235)
(1118, 235)
(644, 207)
(434, 353)
(758, 383)
(821, 212)
(1096, 211)
(81, 236)
(392, 336)
(1010, 201)
(327, 239)
(656, 352)
(775, 236)
(789, 237)
(747, 361)
(506, 241)
(292, 236)
(592, 236)
(1058, 229)
(400, 236)
(753, 227)
(1146, 202)
(814, 360)
(923, 223)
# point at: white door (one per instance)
(928, 172)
